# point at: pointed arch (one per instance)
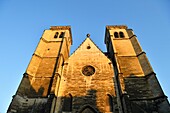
(109, 103)
(87, 109)
(67, 105)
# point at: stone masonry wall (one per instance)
(87, 90)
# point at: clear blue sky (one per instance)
(22, 23)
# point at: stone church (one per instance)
(120, 80)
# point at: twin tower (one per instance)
(120, 80)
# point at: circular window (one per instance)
(88, 47)
(88, 70)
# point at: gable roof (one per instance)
(88, 38)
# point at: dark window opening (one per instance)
(56, 35)
(109, 103)
(62, 35)
(116, 35)
(67, 106)
(121, 35)
(88, 47)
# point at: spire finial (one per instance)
(88, 35)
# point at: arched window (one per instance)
(56, 35)
(62, 35)
(121, 34)
(109, 103)
(116, 35)
(67, 106)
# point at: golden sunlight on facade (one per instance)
(120, 80)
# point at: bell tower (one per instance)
(89, 80)
(137, 87)
(41, 79)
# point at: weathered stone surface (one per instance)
(120, 80)
(135, 76)
(91, 90)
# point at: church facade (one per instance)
(120, 80)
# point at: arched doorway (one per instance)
(87, 109)
(67, 105)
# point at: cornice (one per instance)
(60, 28)
(116, 27)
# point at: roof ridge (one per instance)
(78, 46)
(95, 44)
(83, 42)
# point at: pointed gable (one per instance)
(88, 54)
(85, 70)
(87, 47)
